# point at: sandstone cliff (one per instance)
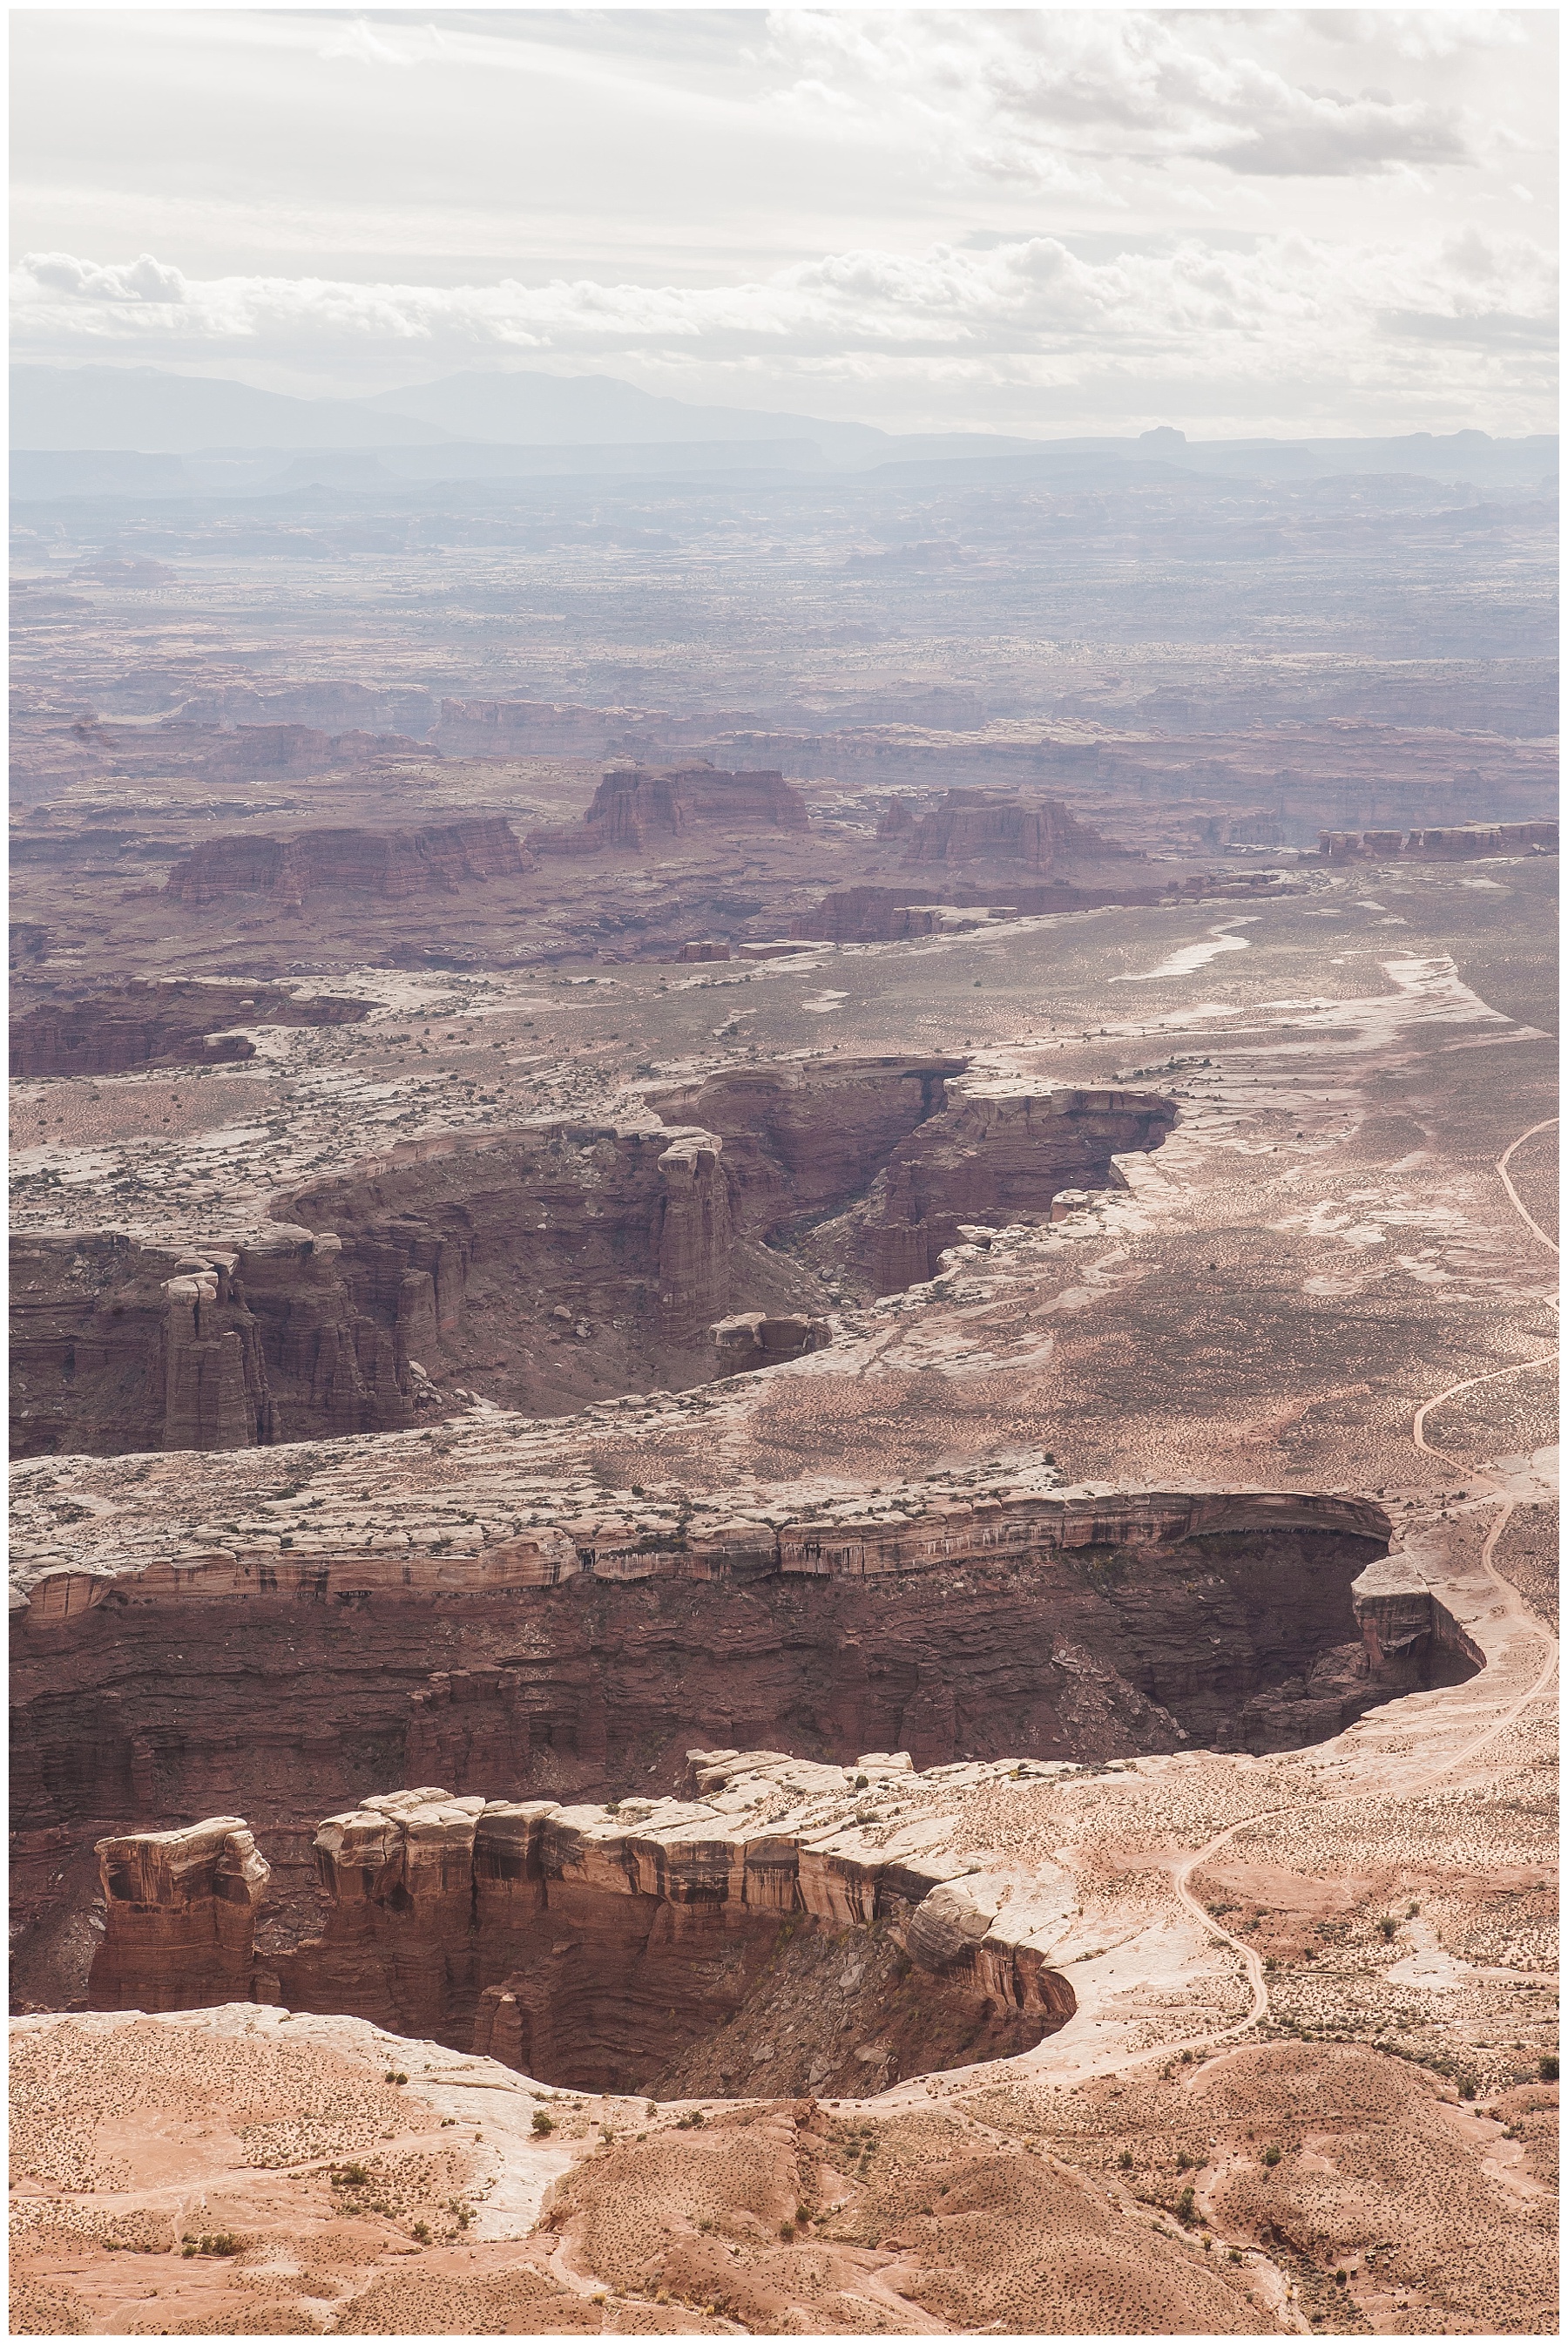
(634, 804)
(118, 1346)
(582, 1942)
(980, 826)
(163, 1022)
(391, 863)
(313, 1655)
(179, 1912)
(555, 1264)
(996, 1155)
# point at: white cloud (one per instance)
(1282, 311)
(943, 216)
(1052, 96)
(142, 281)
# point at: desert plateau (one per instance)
(776, 1439)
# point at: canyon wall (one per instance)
(163, 1022)
(995, 1156)
(283, 1674)
(807, 1135)
(637, 805)
(119, 1346)
(591, 1946)
(343, 1319)
(390, 863)
(179, 1911)
(552, 1264)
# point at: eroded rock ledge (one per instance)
(912, 1527)
(496, 1257)
(581, 1942)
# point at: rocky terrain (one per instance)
(783, 1279)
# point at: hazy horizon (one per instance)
(1049, 224)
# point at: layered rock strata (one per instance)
(581, 1943)
(1456, 842)
(557, 1262)
(120, 1346)
(982, 826)
(636, 805)
(313, 1659)
(163, 1022)
(179, 1917)
(393, 865)
(929, 1154)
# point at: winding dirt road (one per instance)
(1409, 1784)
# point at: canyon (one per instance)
(584, 1659)
(592, 1948)
(171, 1023)
(783, 1488)
(348, 1311)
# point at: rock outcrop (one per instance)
(119, 1346)
(1457, 841)
(180, 1911)
(292, 1661)
(750, 1341)
(806, 1134)
(982, 826)
(922, 1155)
(634, 804)
(1000, 1155)
(392, 865)
(502, 1255)
(163, 1022)
(584, 1943)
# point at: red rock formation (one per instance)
(117, 1346)
(144, 1692)
(976, 826)
(751, 1339)
(162, 1021)
(346, 1316)
(344, 1324)
(594, 1948)
(802, 1137)
(215, 1393)
(180, 1911)
(636, 804)
(392, 864)
(996, 1157)
(1456, 842)
(398, 1873)
(807, 1135)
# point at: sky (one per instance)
(1047, 221)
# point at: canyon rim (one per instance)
(784, 1236)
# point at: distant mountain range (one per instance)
(523, 423)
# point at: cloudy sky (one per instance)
(1038, 220)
